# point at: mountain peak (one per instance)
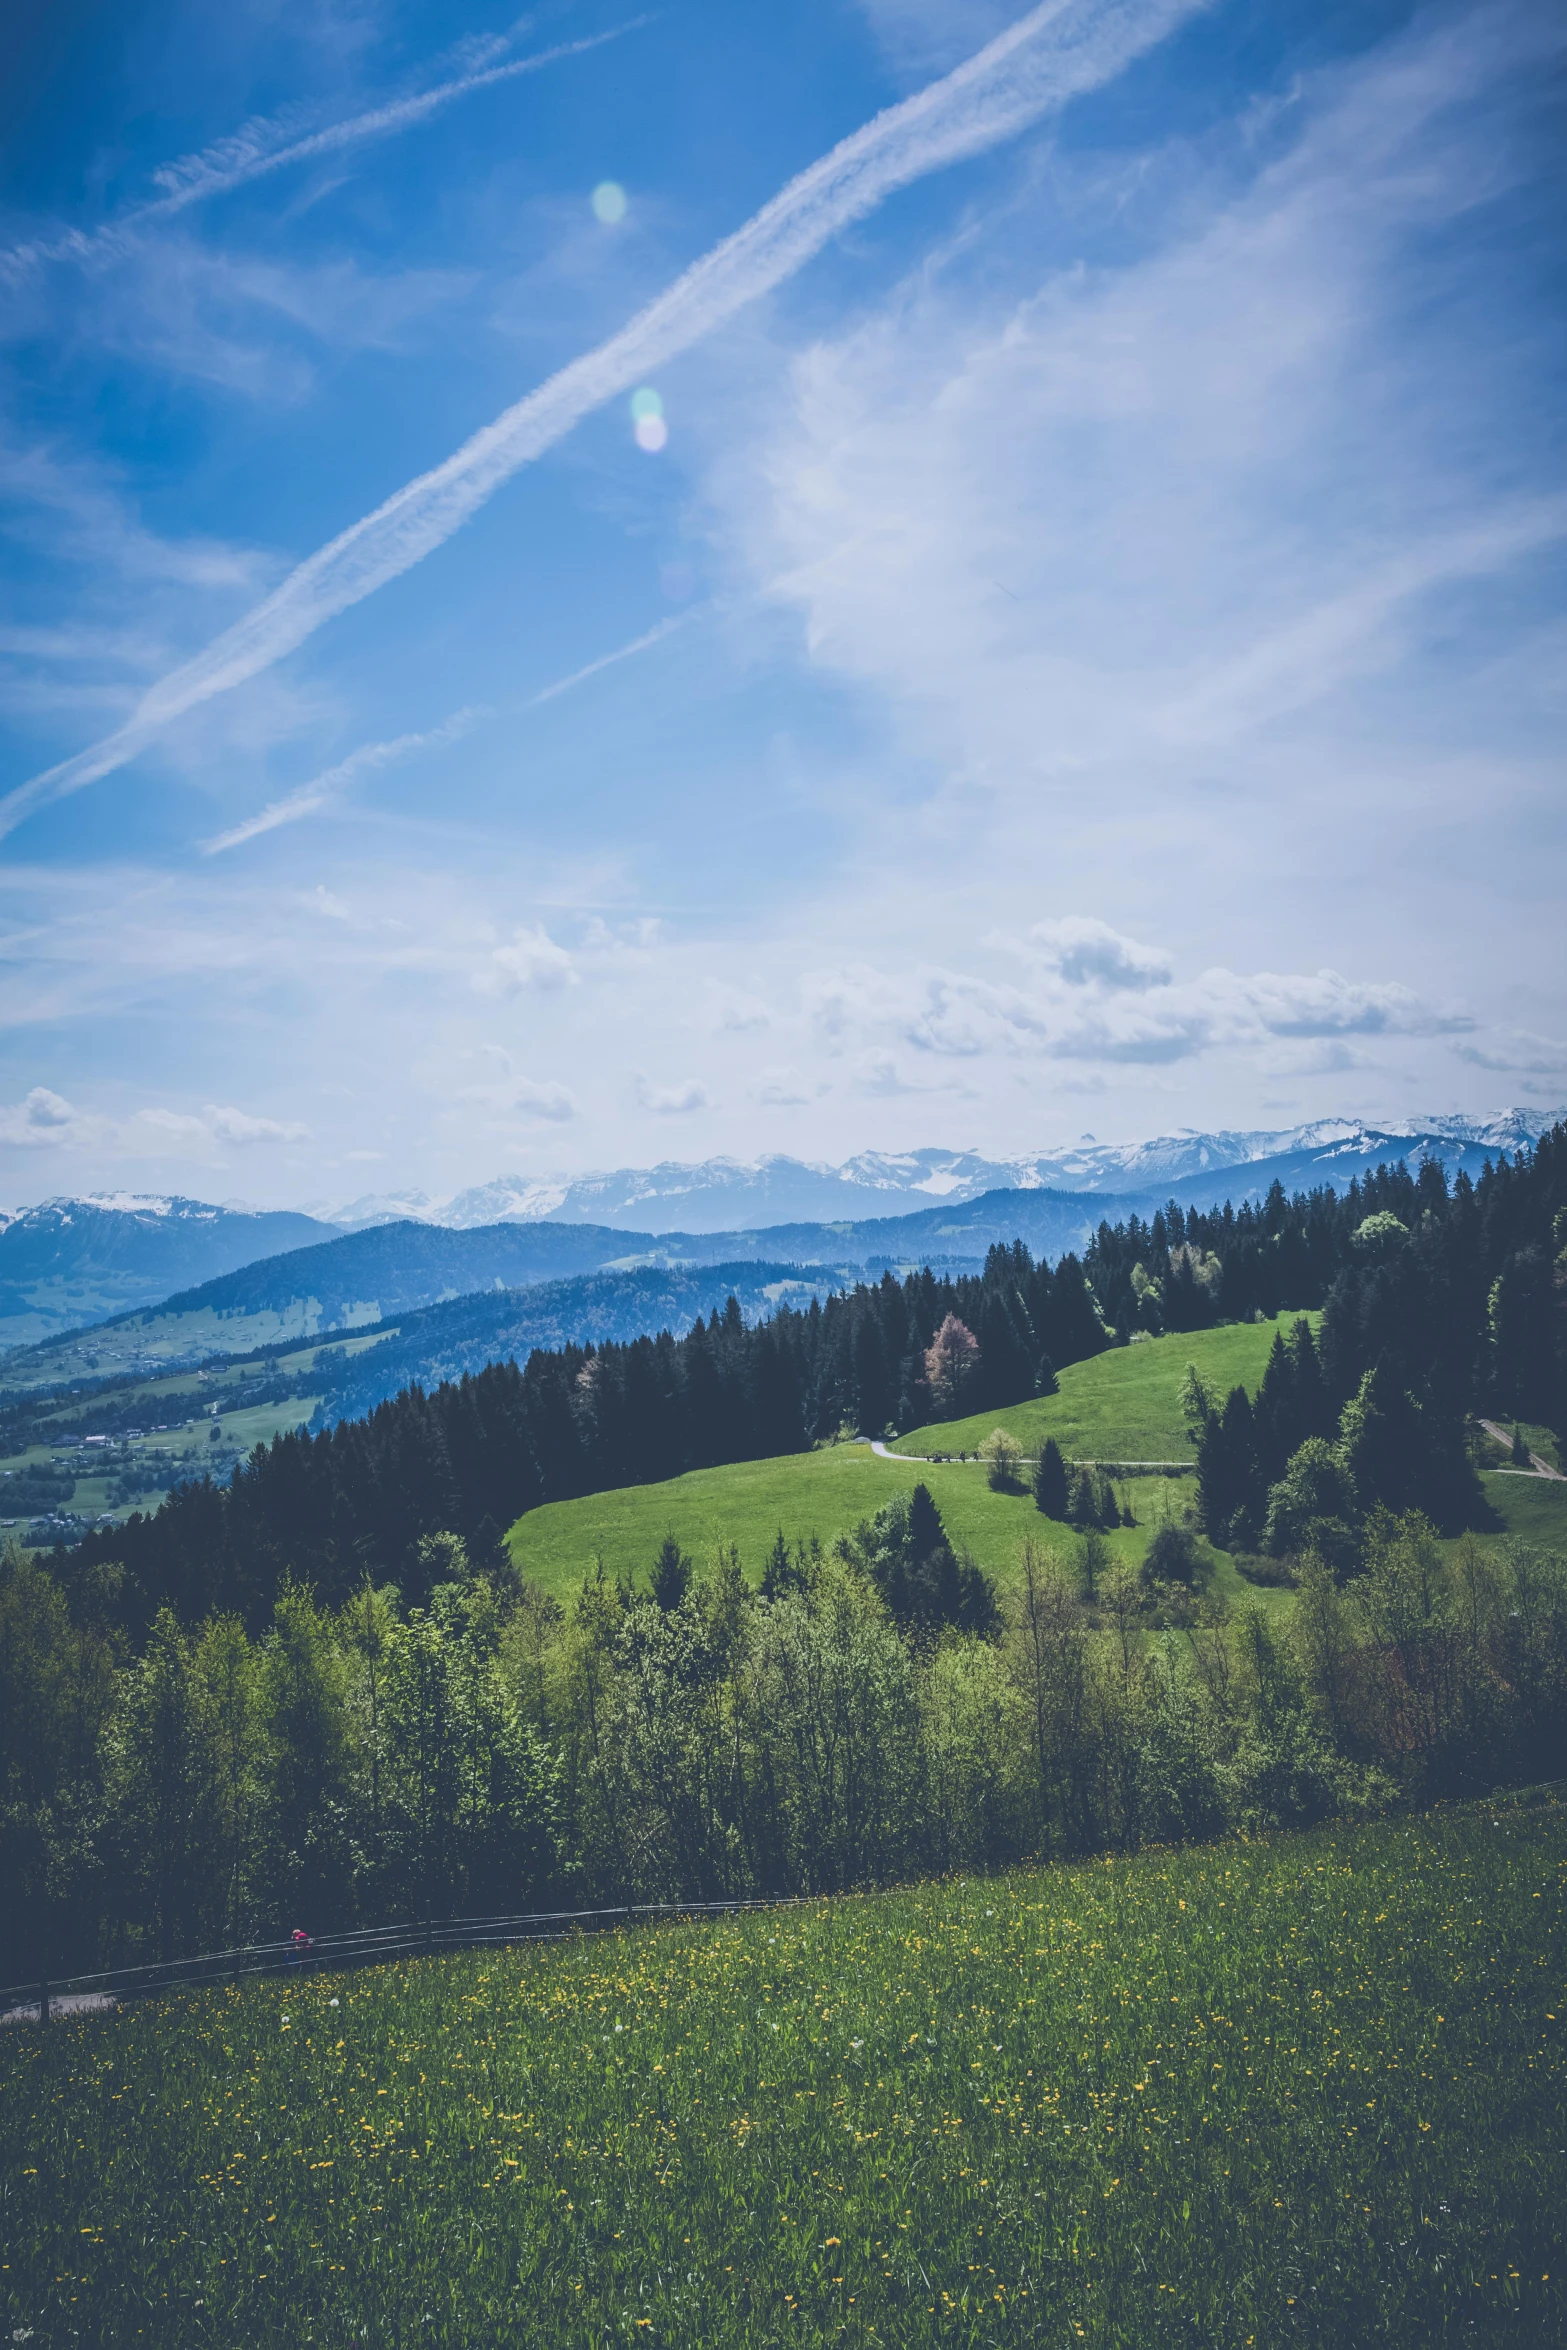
(724, 1193)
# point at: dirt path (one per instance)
(1538, 1467)
(973, 1460)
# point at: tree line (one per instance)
(1447, 1302)
(872, 1711)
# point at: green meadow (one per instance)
(1120, 1406)
(1306, 2090)
(1124, 1405)
(823, 1493)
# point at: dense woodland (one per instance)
(321, 1692)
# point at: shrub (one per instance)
(1003, 1458)
(1173, 1556)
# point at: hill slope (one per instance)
(1118, 1406)
(1035, 2107)
(73, 1261)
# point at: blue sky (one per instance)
(1075, 643)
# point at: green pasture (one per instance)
(823, 1493)
(1120, 1406)
(1533, 1508)
(1123, 1405)
(1303, 2092)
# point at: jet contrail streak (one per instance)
(1056, 51)
(235, 162)
(319, 793)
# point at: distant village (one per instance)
(130, 1461)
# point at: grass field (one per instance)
(1303, 2091)
(1113, 1408)
(1124, 1405)
(805, 1493)
(1534, 1508)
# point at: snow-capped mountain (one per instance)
(72, 1263)
(721, 1195)
(69, 1261)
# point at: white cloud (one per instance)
(1086, 952)
(531, 960)
(1523, 1054)
(638, 644)
(1072, 539)
(1084, 1017)
(326, 902)
(91, 522)
(219, 1124)
(920, 35)
(737, 1012)
(263, 146)
(878, 1076)
(780, 1086)
(673, 1101)
(46, 1121)
(554, 1102)
(323, 790)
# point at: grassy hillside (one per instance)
(806, 1493)
(1306, 2090)
(827, 1492)
(1124, 1405)
(1120, 1406)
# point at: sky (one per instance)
(636, 583)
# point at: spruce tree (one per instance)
(926, 1531)
(1050, 1480)
(671, 1577)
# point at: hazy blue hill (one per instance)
(71, 1261)
(463, 1334)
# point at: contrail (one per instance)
(638, 644)
(1050, 55)
(250, 155)
(308, 797)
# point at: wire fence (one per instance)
(368, 1946)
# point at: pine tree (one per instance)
(926, 1531)
(1050, 1481)
(671, 1578)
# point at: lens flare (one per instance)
(645, 402)
(652, 433)
(609, 202)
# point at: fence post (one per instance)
(43, 2000)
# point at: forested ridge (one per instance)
(1453, 1294)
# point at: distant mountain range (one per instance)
(718, 1195)
(70, 1261)
(357, 1280)
(89, 1286)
